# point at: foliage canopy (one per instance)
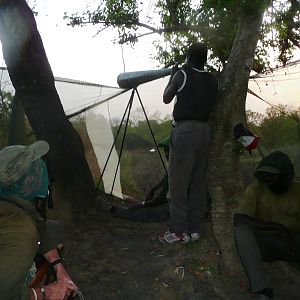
(278, 128)
(183, 22)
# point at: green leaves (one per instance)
(183, 22)
(174, 12)
(281, 29)
(121, 12)
(278, 127)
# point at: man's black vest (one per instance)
(197, 98)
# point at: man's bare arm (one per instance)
(153, 190)
(171, 89)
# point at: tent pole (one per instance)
(156, 146)
(123, 140)
(114, 143)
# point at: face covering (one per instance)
(34, 183)
(280, 185)
(266, 177)
(277, 183)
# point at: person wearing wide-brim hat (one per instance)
(23, 234)
(267, 222)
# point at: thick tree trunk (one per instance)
(16, 134)
(31, 75)
(297, 158)
(225, 177)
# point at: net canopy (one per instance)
(281, 86)
(96, 112)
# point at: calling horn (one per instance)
(129, 80)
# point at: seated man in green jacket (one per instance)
(23, 234)
(153, 208)
(267, 223)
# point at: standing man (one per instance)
(196, 93)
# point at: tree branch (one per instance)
(108, 23)
(179, 27)
(176, 28)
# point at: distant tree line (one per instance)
(5, 116)
(278, 127)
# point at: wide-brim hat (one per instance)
(15, 160)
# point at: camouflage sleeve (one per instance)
(18, 247)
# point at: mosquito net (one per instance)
(100, 114)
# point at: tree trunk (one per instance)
(297, 158)
(16, 134)
(32, 78)
(225, 177)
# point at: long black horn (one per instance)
(129, 80)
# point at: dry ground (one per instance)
(110, 258)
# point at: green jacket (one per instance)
(22, 235)
(261, 203)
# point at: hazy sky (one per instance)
(78, 54)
